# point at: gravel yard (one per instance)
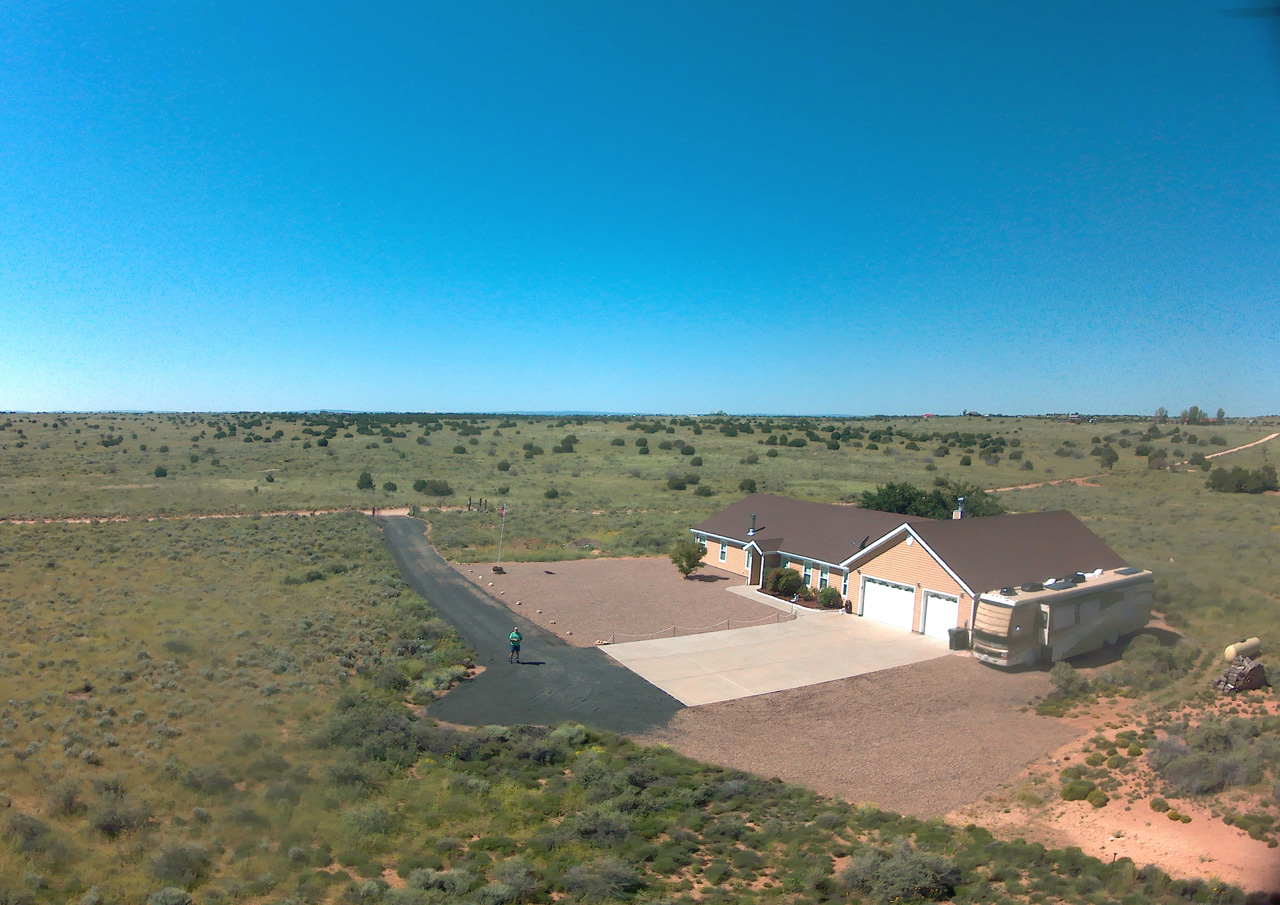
(922, 739)
(586, 600)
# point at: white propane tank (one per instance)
(1249, 647)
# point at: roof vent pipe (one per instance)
(752, 531)
(959, 512)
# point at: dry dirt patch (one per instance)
(584, 601)
(1205, 847)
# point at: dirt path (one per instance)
(1086, 481)
(193, 516)
(556, 682)
(1246, 446)
(1090, 480)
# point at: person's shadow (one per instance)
(531, 663)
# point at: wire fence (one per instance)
(676, 631)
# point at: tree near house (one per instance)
(365, 481)
(687, 556)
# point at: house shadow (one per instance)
(708, 577)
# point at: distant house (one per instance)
(917, 574)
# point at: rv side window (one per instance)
(1064, 616)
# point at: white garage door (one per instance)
(941, 612)
(884, 601)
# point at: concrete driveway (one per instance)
(724, 666)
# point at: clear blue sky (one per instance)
(663, 207)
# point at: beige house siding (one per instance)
(910, 564)
(735, 557)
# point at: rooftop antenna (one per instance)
(752, 531)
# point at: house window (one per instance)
(785, 562)
(844, 585)
(724, 551)
(824, 577)
(808, 573)
(702, 541)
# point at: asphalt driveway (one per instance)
(557, 682)
(818, 647)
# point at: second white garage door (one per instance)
(892, 604)
(941, 612)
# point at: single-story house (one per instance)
(919, 574)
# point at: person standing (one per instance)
(515, 638)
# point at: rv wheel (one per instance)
(1112, 639)
(1032, 658)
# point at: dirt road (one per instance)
(557, 682)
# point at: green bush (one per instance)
(829, 597)
(783, 581)
(433, 487)
(1097, 798)
(1159, 805)
(389, 486)
(551, 493)
(161, 471)
(459, 450)
(1077, 790)
(179, 864)
(747, 485)
(901, 875)
(365, 481)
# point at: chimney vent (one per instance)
(752, 531)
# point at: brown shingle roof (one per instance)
(818, 531)
(997, 551)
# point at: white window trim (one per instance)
(724, 552)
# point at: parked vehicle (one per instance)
(1049, 621)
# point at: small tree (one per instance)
(747, 485)
(389, 487)
(1108, 457)
(161, 471)
(365, 481)
(687, 556)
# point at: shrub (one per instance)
(551, 493)
(389, 486)
(686, 450)
(747, 485)
(704, 490)
(179, 865)
(1077, 789)
(783, 581)
(696, 461)
(170, 895)
(161, 471)
(676, 482)
(365, 481)
(966, 460)
(903, 874)
(829, 597)
(1159, 805)
(617, 441)
(771, 454)
(1097, 798)
(1066, 682)
(597, 881)
(459, 450)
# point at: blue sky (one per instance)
(660, 207)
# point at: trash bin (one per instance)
(848, 607)
(958, 638)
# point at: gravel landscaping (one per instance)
(922, 739)
(586, 600)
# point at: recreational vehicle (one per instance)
(1060, 617)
